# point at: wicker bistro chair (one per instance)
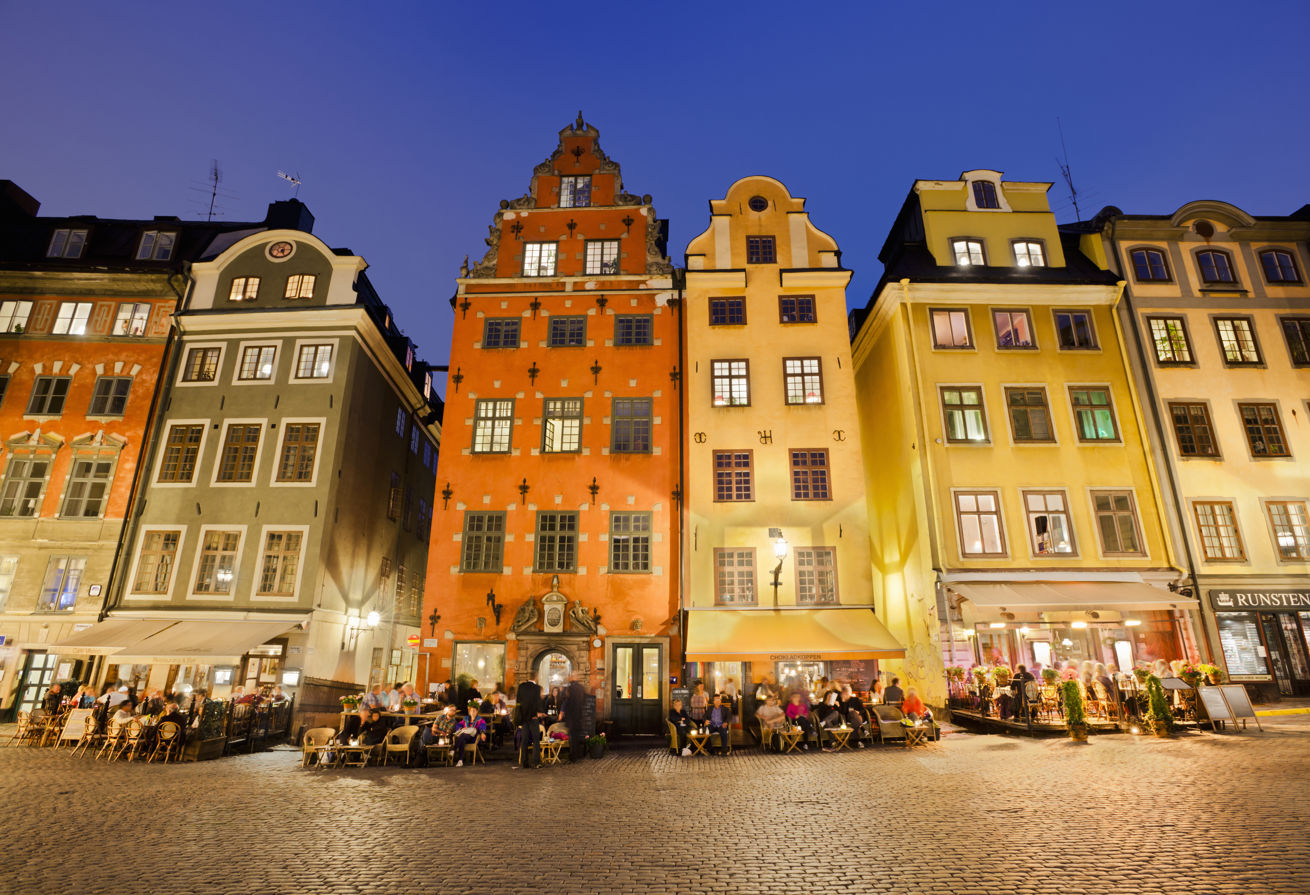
(133, 733)
(20, 733)
(673, 737)
(399, 742)
(113, 734)
(168, 741)
(91, 735)
(315, 745)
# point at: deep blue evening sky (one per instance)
(409, 122)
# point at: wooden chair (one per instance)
(673, 737)
(315, 745)
(1050, 701)
(90, 735)
(168, 740)
(1098, 701)
(52, 726)
(128, 735)
(112, 735)
(398, 742)
(19, 734)
(476, 747)
(134, 738)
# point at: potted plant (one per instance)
(350, 702)
(955, 673)
(1190, 673)
(596, 745)
(1074, 714)
(1213, 673)
(1142, 672)
(1002, 673)
(408, 704)
(1050, 676)
(1157, 717)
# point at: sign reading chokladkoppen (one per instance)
(1240, 600)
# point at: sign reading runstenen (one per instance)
(1237, 600)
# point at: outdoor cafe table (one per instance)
(550, 750)
(698, 741)
(358, 751)
(917, 735)
(841, 737)
(789, 738)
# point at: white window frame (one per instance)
(318, 452)
(231, 595)
(132, 309)
(1273, 532)
(75, 323)
(1000, 523)
(217, 462)
(85, 452)
(317, 380)
(129, 593)
(148, 249)
(206, 425)
(597, 251)
(538, 263)
(182, 382)
(244, 289)
(258, 572)
(66, 238)
(81, 580)
(969, 242)
(15, 313)
(241, 356)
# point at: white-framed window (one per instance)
(13, 316)
(1029, 253)
(26, 472)
(66, 243)
(561, 425)
(539, 259)
(492, 424)
(72, 318)
(132, 319)
(8, 569)
(950, 328)
(87, 489)
(802, 380)
(1291, 529)
(48, 395)
(734, 576)
(816, 575)
(968, 252)
(63, 578)
(200, 365)
(257, 363)
(244, 289)
(156, 245)
(301, 285)
(156, 559)
(730, 381)
(602, 257)
(299, 451)
(981, 529)
(281, 560)
(217, 560)
(575, 191)
(314, 360)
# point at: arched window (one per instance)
(553, 669)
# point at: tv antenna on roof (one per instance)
(209, 191)
(294, 180)
(1066, 173)
(215, 175)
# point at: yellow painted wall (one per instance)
(840, 522)
(1028, 217)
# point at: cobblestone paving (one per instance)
(972, 814)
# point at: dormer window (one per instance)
(968, 251)
(984, 194)
(1215, 266)
(66, 244)
(1029, 253)
(156, 245)
(575, 192)
(244, 289)
(301, 285)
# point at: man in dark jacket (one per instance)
(527, 701)
(681, 722)
(572, 718)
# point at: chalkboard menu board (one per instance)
(1215, 706)
(589, 715)
(683, 693)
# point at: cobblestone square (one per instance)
(972, 814)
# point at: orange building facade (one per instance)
(555, 539)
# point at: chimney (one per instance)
(15, 202)
(289, 214)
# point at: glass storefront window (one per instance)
(483, 662)
(799, 675)
(1239, 635)
(722, 673)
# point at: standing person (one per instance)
(700, 701)
(571, 715)
(766, 689)
(894, 695)
(531, 709)
(1019, 687)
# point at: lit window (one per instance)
(1193, 429)
(1093, 414)
(950, 329)
(984, 194)
(492, 422)
(236, 460)
(72, 317)
(567, 332)
(257, 362)
(1216, 267)
(244, 289)
(1279, 266)
(67, 244)
(602, 257)
(154, 568)
(1028, 253)
(201, 365)
(1217, 523)
(301, 285)
(181, 448)
(279, 563)
(966, 419)
(816, 575)
(1014, 329)
(156, 245)
(1237, 341)
(132, 319)
(1074, 331)
(500, 332)
(299, 450)
(979, 516)
(761, 250)
(734, 576)
(802, 379)
(1049, 528)
(730, 381)
(1291, 530)
(314, 362)
(63, 578)
(1169, 335)
(968, 251)
(575, 191)
(110, 396)
(218, 562)
(539, 259)
(796, 309)
(727, 311)
(1116, 522)
(561, 426)
(25, 478)
(13, 316)
(1149, 264)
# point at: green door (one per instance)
(37, 676)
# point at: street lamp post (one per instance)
(780, 552)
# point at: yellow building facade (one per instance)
(1217, 311)
(1014, 512)
(778, 573)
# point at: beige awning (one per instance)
(110, 636)
(990, 598)
(203, 642)
(779, 635)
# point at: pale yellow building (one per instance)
(1014, 513)
(777, 546)
(1217, 311)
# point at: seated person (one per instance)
(770, 716)
(558, 731)
(442, 727)
(126, 712)
(469, 730)
(374, 730)
(681, 722)
(52, 700)
(798, 713)
(852, 708)
(829, 711)
(718, 718)
(876, 696)
(893, 694)
(913, 706)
